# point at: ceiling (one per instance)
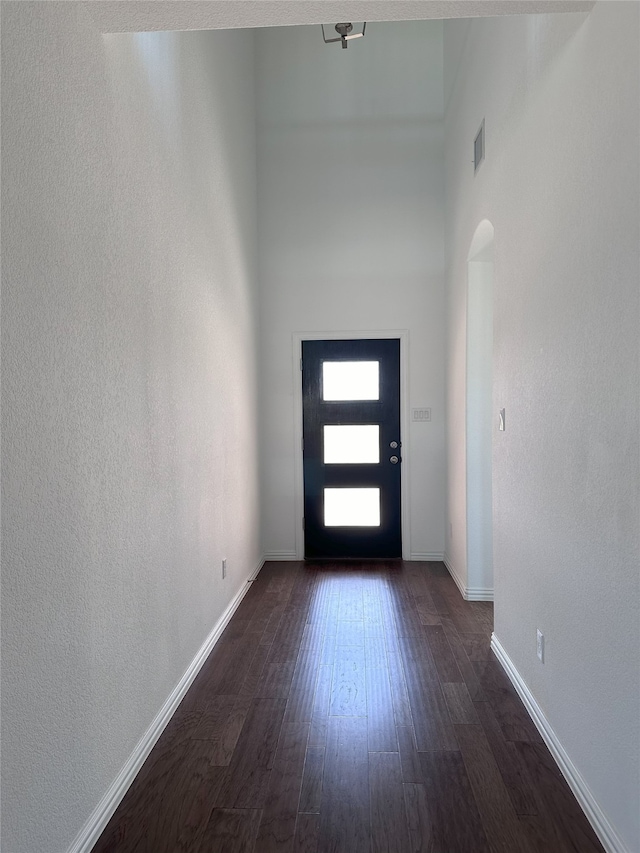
(112, 16)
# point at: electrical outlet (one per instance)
(540, 645)
(224, 569)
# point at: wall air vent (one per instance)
(478, 148)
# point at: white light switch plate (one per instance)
(421, 414)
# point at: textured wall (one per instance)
(560, 185)
(350, 200)
(129, 434)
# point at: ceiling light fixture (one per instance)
(345, 34)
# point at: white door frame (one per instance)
(403, 336)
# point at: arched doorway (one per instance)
(479, 413)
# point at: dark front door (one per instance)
(351, 448)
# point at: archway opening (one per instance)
(479, 413)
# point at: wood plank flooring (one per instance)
(351, 707)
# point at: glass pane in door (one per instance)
(350, 380)
(351, 444)
(352, 507)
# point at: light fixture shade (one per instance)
(345, 33)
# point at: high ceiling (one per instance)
(149, 15)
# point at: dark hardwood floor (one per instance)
(351, 708)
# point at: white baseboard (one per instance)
(280, 556)
(103, 812)
(479, 593)
(254, 574)
(271, 556)
(469, 593)
(452, 571)
(609, 838)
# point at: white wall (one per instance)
(350, 200)
(560, 186)
(129, 434)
